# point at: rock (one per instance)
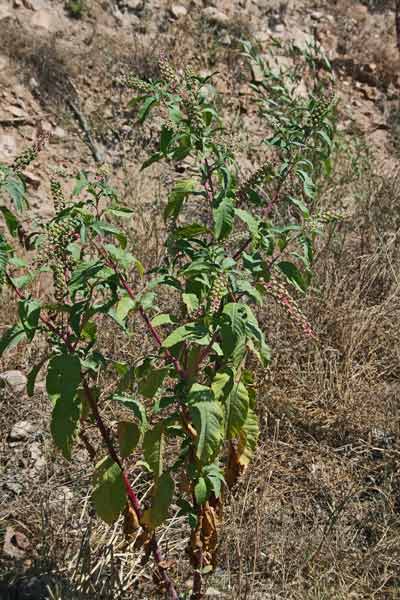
(8, 147)
(45, 19)
(215, 16)
(32, 179)
(21, 431)
(15, 543)
(316, 15)
(134, 5)
(59, 133)
(17, 3)
(37, 456)
(14, 379)
(279, 28)
(178, 11)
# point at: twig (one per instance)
(97, 154)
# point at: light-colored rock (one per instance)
(21, 431)
(14, 379)
(8, 147)
(46, 19)
(213, 15)
(134, 5)
(178, 11)
(316, 15)
(32, 179)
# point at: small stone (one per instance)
(8, 147)
(316, 15)
(215, 16)
(59, 133)
(14, 379)
(279, 28)
(32, 179)
(178, 11)
(15, 543)
(134, 5)
(21, 431)
(17, 3)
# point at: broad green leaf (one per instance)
(207, 419)
(29, 313)
(32, 376)
(11, 338)
(233, 331)
(248, 438)
(251, 221)
(128, 437)
(176, 198)
(224, 215)
(200, 491)
(236, 408)
(63, 379)
(146, 107)
(149, 385)
(109, 496)
(11, 220)
(135, 406)
(162, 319)
(163, 494)
(124, 306)
(16, 189)
(191, 301)
(293, 274)
(222, 383)
(153, 449)
(193, 332)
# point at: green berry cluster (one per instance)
(167, 71)
(330, 217)
(218, 291)
(257, 178)
(24, 159)
(135, 83)
(57, 195)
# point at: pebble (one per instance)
(178, 11)
(213, 15)
(21, 431)
(14, 379)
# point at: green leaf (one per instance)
(156, 157)
(194, 332)
(16, 189)
(191, 301)
(251, 221)
(149, 385)
(135, 406)
(233, 331)
(181, 191)
(201, 491)
(248, 438)
(109, 497)
(29, 313)
(293, 274)
(128, 437)
(124, 306)
(32, 376)
(236, 408)
(11, 220)
(11, 338)
(63, 379)
(207, 419)
(146, 107)
(162, 319)
(163, 494)
(224, 215)
(153, 449)
(222, 383)
(165, 139)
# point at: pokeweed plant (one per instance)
(231, 244)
